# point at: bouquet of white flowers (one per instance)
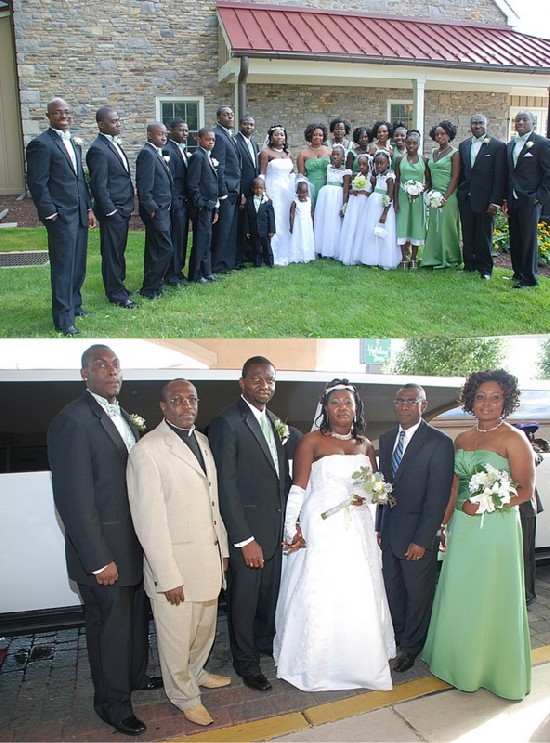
(435, 199)
(412, 188)
(374, 489)
(491, 489)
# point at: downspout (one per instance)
(242, 99)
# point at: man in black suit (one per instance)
(113, 194)
(176, 151)
(203, 186)
(259, 223)
(56, 181)
(252, 469)
(528, 188)
(224, 235)
(88, 445)
(250, 167)
(480, 192)
(418, 459)
(154, 187)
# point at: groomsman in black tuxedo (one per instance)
(528, 188)
(176, 151)
(252, 483)
(224, 235)
(480, 192)
(56, 181)
(88, 445)
(154, 187)
(418, 460)
(250, 168)
(203, 185)
(113, 195)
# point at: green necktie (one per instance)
(267, 430)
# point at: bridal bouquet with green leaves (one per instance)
(491, 489)
(374, 489)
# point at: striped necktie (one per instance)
(398, 452)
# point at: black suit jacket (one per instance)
(52, 180)
(252, 493)
(203, 181)
(485, 182)
(226, 153)
(153, 181)
(249, 168)
(422, 487)
(259, 223)
(110, 182)
(178, 167)
(88, 462)
(530, 178)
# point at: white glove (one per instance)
(293, 508)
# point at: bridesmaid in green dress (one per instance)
(314, 158)
(398, 142)
(479, 633)
(442, 247)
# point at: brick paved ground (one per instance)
(46, 692)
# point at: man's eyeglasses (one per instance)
(181, 400)
(406, 403)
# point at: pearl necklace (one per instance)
(342, 436)
(277, 149)
(486, 430)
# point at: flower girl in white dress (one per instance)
(328, 207)
(301, 226)
(353, 227)
(381, 247)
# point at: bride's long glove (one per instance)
(293, 508)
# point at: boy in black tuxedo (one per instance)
(203, 186)
(259, 223)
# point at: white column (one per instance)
(419, 84)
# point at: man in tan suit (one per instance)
(173, 492)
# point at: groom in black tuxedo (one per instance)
(178, 162)
(88, 445)
(480, 192)
(55, 178)
(252, 474)
(418, 459)
(113, 193)
(528, 189)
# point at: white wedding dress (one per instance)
(279, 186)
(333, 624)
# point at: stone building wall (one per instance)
(130, 52)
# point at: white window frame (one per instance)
(199, 99)
(398, 102)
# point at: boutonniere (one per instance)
(264, 199)
(214, 162)
(486, 140)
(282, 430)
(528, 145)
(166, 159)
(137, 421)
(77, 141)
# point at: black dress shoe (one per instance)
(82, 313)
(213, 278)
(155, 682)
(71, 330)
(151, 297)
(128, 304)
(240, 267)
(522, 286)
(223, 272)
(130, 726)
(257, 681)
(404, 662)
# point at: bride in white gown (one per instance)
(333, 624)
(277, 169)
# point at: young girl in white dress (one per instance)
(381, 243)
(328, 208)
(302, 248)
(353, 226)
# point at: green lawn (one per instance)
(320, 299)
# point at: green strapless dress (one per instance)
(479, 633)
(316, 173)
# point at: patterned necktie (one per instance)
(267, 430)
(398, 452)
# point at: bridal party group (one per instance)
(365, 195)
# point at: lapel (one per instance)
(413, 447)
(252, 423)
(113, 149)
(58, 143)
(245, 147)
(525, 149)
(228, 137)
(278, 445)
(176, 150)
(159, 157)
(182, 451)
(483, 150)
(108, 425)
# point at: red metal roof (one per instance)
(289, 32)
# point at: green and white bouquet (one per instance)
(374, 489)
(491, 489)
(435, 199)
(413, 188)
(359, 182)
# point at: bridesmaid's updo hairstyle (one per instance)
(334, 122)
(358, 427)
(449, 128)
(507, 382)
(270, 136)
(310, 128)
(358, 131)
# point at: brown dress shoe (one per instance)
(198, 714)
(216, 682)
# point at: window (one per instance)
(190, 109)
(401, 111)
